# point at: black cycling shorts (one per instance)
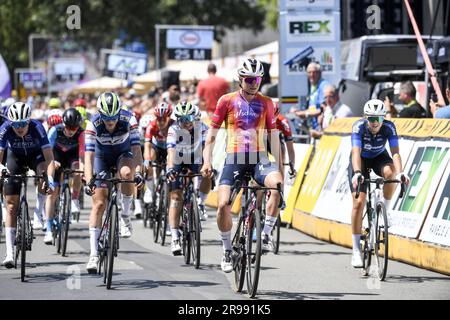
(376, 164)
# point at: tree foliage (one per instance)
(108, 18)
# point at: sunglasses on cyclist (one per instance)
(71, 128)
(19, 124)
(250, 80)
(186, 119)
(378, 119)
(109, 118)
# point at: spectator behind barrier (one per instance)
(211, 89)
(315, 96)
(441, 112)
(333, 108)
(408, 96)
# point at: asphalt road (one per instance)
(306, 268)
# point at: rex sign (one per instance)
(311, 27)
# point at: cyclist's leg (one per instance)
(99, 201)
(175, 207)
(357, 212)
(224, 219)
(126, 169)
(76, 185)
(51, 198)
(150, 179)
(11, 191)
(267, 174)
(383, 165)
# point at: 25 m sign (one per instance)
(190, 54)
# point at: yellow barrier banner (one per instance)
(286, 216)
(341, 126)
(317, 173)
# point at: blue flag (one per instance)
(5, 80)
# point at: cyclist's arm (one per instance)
(52, 134)
(216, 122)
(81, 148)
(147, 142)
(135, 141)
(89, 151)
(291, 152)
(356, 159)
(209, 145)
(397, 159)
(49, 161)
(170, 157)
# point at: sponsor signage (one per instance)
(189, 44)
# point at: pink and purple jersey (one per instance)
(246, 122)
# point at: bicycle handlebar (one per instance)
(378, 182)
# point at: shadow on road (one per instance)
(406, 279)
(285, 295)
(309, 253)
(151, 284)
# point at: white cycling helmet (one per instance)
(374, 107)
(184, 109)
(251, 68)
(19, 111)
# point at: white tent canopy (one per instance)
(226, 66)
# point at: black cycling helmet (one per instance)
(72, 118)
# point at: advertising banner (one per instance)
(437, 223)
(425, 167)
(335, 200)
(189, 44)
(309, 31)
(302, 154)
(123, 64)
(317, 173)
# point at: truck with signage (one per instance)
(374, 66)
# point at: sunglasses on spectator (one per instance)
(19, 124)
(250, 80)
(375, 119)
(109, 118)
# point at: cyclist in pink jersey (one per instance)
(249, 120)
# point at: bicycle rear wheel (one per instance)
(64, 226)
(276, 235)
(382, 241)
(23, 239)
(195, 232)
(156, 217)
(112, 244)
(253, 252)
(239, 257)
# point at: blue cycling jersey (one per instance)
(106, 144)
(33, 142)
(373, 145)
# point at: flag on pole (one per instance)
(5, 80)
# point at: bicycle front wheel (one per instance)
(195, 232)
(240, 259)
(186, 238)
(164, 212)
(253, 252)
(112, 244)
(23, 239)
(381, 241)
(65, 219)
